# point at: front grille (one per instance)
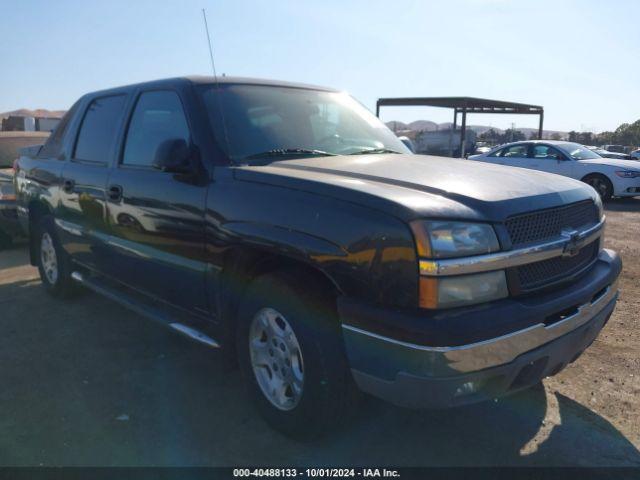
(546, 224)
(539, 274)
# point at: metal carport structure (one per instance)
(465, 105)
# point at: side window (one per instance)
(515, 151)
(98, 129)
(53, 146)
(158, 117)
(497, 153)
(545, 151)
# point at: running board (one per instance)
(130, 302)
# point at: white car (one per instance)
(609, 177)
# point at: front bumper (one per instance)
(626, 187)
(419, 375)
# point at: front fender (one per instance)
(285, 241)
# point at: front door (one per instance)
(157, 217)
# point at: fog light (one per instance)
(456, 291)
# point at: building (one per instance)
(444, 142)
(46, 124)
(16, 123)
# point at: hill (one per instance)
(428, 125)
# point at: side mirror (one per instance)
(174, 156)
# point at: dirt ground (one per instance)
(11, 142)
(86, 382)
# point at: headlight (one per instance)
(439, 239)
(628, 173)
(448, 292)
(444, 239)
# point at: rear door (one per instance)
(157, 217)
(514, 155)
(547, 158)
(81, 215)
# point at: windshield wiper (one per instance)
(283, 152)
(374, 150)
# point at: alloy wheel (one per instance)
(276, 358)
(48, 258)
(600, 186)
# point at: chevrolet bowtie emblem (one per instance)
(574, 243)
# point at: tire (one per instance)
(54, 263)
(316, 388)
(600, 184)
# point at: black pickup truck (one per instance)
(287, 224)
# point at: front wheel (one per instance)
(600, 184)
(291, 356)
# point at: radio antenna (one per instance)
(215, 79)
(206, 29)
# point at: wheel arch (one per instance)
(242, 264)
(604, 177)
(596, 174)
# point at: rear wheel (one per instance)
(291, 356)
(600, 184)
(54, 264)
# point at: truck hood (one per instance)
(614, 162)
(424, 186)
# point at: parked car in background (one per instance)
(9, 226)
(607, 154)
(608, 176)
(614, 148)
(636, 154)
(311, 245)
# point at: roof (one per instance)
(550, 142)
(463, 104)
(204, 80)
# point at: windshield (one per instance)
(578, 152)
(267, 121)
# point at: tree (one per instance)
(585, 138)
(512, 135)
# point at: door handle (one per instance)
(115, 193)
(68, 185)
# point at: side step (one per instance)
(130, 302)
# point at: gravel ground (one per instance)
(85, 382)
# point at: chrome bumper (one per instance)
(443, 361)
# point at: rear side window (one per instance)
(515, 151)
(158, 117)
(54, 145)
(98, 129)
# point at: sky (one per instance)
(578, 58)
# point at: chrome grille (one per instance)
(546, 224)
(539, 274)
